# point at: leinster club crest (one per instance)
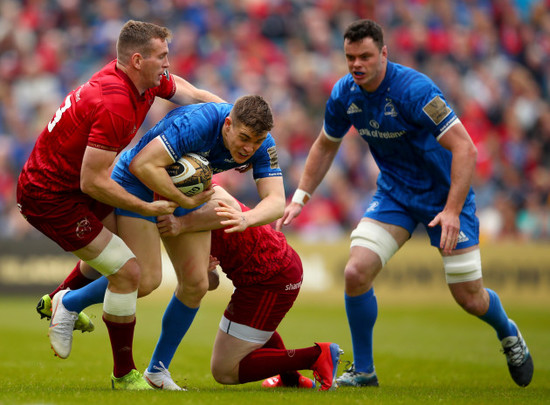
(389, 109)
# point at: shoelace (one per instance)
(515, 353)
(349, 368)
(162, 369)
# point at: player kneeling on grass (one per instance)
(267, 275)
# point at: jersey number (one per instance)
(58, 113)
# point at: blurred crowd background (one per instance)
(490, 58)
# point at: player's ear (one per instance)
(136, 60)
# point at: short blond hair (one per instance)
(136, 36)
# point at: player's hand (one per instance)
(169, 225)
(213, 276)
(450, 229)
(292, 210)
(197, 199)
(213, 263)
(159, 207)
(235, 220)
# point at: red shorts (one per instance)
(72, 222)
(263, 306)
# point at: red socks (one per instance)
(74, 281)
(268, 362)
(122, 338)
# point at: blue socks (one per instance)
(362, 312)
(93, 293)
(497, 318)
(176, 320)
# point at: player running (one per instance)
(66, 192)
(426, 160)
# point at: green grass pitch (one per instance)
(427, 350)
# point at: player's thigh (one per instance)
(227, 353)
(189, 254)
(143, 239)
(373, 243)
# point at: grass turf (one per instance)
(426, 351)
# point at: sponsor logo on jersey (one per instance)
(437, 110)
(273, 158)
(374, 124)
(389, 109)
(353, 109)
(381, 134)
(462, 237)
(293, 286)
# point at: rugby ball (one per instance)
(191, 174)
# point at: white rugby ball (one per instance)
(191, 174)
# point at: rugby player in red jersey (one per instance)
(267, 275)
(66, 192)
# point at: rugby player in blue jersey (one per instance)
(229, 136)
(426, 160)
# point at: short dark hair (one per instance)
(360, 29)
(136, 36)
(253, 112)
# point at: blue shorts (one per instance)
(132, 185)
(386, 209)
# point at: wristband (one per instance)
(301, 197)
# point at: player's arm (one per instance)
(95, 180)
(319, 160)
(149, 166)
(204, 218)
(186, 93)
(270, 208)
(458, 142)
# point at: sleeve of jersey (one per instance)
(431, 110)
(167, 87)
(109, 131)
(265, 162)
(189, 132)
(336, 123)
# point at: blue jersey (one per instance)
(197, 129)
(401, 121)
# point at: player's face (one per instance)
(366, 63)
(154, 66)
(241, 141)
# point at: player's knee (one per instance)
(356, 274)
(149, 283)
(128, 277)
(192, 289)
(472, 305)
(472, 300)
(224, 375)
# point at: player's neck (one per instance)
(134, 78)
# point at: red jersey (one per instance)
(103, 113)
(252, 256)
